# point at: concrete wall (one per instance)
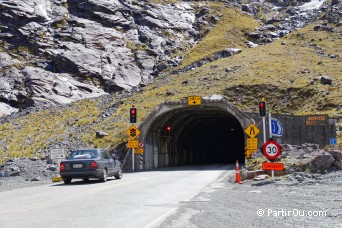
(296, 132)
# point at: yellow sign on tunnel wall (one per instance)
(194, 100)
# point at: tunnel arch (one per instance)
(208, 133)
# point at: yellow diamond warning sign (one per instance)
(252, 131)
(133, 132)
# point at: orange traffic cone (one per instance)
(238, 177)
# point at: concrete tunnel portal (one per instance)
(212, 132)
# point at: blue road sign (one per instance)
(333, 141)
(277, 128)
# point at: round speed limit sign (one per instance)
(271, 149)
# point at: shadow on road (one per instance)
(202, 167)
(81, 182)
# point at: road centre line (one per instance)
(65, 198)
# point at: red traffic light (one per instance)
(262, 108)
(168, 128)
(133, 115)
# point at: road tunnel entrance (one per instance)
(179, 134)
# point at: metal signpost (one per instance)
(252, 142)
(140, 150)
(271, 150)
(57, 154)
(262, 114)
(133, 132)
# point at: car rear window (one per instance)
(83, 154)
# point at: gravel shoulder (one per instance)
(22, 173)
(284, 203)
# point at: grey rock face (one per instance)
(111, 45)
(35, 86)
(49, 88)
(5, 109)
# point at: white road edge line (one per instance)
(161, 218)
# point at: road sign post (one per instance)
(141, 159)
(271, 150)
(252, 143)
(133, 132)
(262, 114)
(132, 159)
(270, 124)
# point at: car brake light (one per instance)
(61, 167)
(93, 165)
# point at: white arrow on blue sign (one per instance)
(333, 141)
(277, 128)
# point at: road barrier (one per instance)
(237, 177)
(141, 159)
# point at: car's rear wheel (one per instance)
(67, 180)
(119, 174)
(104, 176)
(86, 179)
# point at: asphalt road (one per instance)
(141, 199)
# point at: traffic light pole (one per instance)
(264, 128)
(270, 129)
(132, 159)
(270, 123)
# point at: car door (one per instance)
(117, 164)
(109, 162)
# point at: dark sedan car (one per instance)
(90, 163)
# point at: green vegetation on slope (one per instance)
(229, 32)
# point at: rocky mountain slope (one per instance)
(54, 53)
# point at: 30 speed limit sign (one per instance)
(271, 149)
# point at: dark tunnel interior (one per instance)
(214, 139)
(200, 136)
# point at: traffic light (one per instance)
(168, 129)
(133, 115)
(262, 108)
